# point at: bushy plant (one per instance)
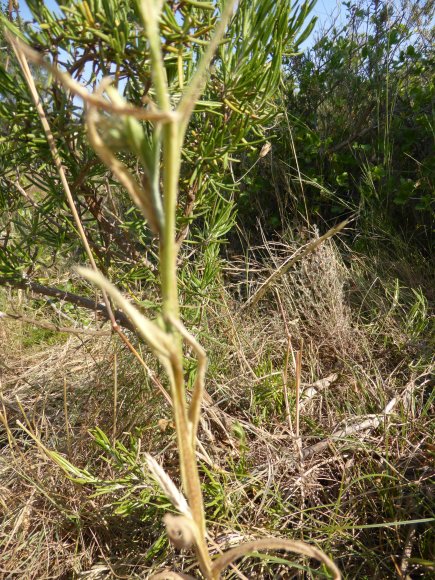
(360, 117)
(94, 39)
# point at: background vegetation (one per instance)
(284, 144)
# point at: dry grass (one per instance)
(257, 479)
(51, 526)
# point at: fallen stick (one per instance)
(82, 301)
(312, 390)
(54, 327)
(370, 422)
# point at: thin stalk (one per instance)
(197, 84)
(150, 15)
(298, 389)
(67, 424)
(21, 57)
(286, 363)
(115, 396)
(168, 247)
(189, 469)
(171, 162)
(172, 143)
(169, 285)
(285, 383)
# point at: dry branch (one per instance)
(53, 326)
(285, 267)
(368, 422)
(312, 390)
(81, 301)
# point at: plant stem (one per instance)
(172, 138)
(168, 272)
(168, 248)
(169, 286)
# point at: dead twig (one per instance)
(312, 390)
(81, 301)
(369, 422)
(285, 267)
(54, 327)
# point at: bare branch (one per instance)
(285, 267)
(81, 301)
(53, 326)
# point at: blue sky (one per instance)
(324, 8)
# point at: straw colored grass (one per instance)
(355, 465)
